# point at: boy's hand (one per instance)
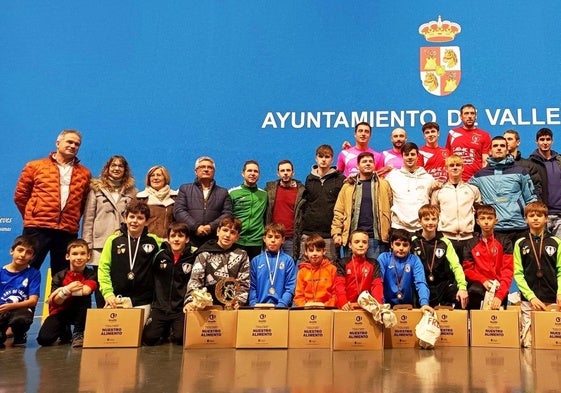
(537, 304)
(189, 307)
(110, 301)
(428, 308)
(462, 297)
(384, 171)
(559, 300)
(6, 307)
(347, 306)
(346, 145)
(496, 303)
(74, 286)
(203, 230)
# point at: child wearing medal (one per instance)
(220, 263)
(537, 264)
(172, 269)
(403, 273)
(357, 273)
(443, 271)
(315, 281)
(487, 258)
(273, 272)
(125, 265)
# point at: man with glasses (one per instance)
(202, 204)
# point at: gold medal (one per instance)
(130, 276)
(399, 295)
(431, 278)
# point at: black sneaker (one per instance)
(20, 341)
(3, 338)
(77, 340)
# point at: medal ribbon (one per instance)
(536, 257)
(398, 279)
(431, 266)
(132, 259)
(274, 275)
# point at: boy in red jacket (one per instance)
(357, 273)
(486, 259)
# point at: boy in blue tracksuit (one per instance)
(403, 273)
(273, 272)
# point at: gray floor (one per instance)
(169, 368)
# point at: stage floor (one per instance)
(169, 368)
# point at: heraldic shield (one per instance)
(440, 69)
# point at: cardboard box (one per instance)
(453, 328)
(210, 329)
(101, 367)
(113, 327)
(260, 370)
(356, 330)
(494, 328)
(546, 329)
(402, 335)
(199, 370)
(310, 328)
(262, 328)
(310, 370)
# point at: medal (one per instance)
(273, 273)
(431, 278)
(399, 295)
(537, 257)
(539, 274)
(132, 258)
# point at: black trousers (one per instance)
(19, 320)
(53, 242)
(159, 325)
(57, 325)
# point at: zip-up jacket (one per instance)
(548, 286)
(114, 266)
(193, 209)
(347, 209)
(171, 278)
(248, 205)
(355, 275)
(457, 219)
(37, 195)
(508, 188)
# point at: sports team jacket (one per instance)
(489, 261)
(114, 267)
(170, 279)
(355, 275)
(548, 286)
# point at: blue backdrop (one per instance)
(166, 82)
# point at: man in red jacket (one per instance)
(50, 195)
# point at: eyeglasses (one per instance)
(116, 166)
